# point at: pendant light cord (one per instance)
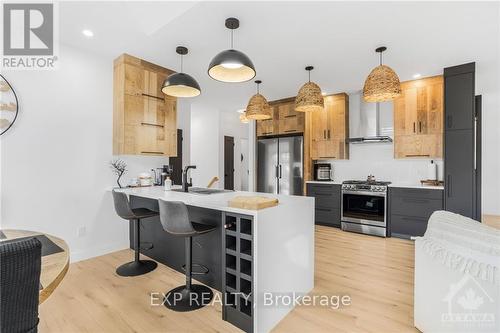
(232, 30)
(309, 72)
(258, 90)
(381, 58)
(182, 63)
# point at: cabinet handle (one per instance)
(448, 185)
(475, 143)
(290, 131)
(151, 124)
(324, 209)
(328, 134)
(152, 96)
(414, 127)
(291, 116)
(420, 126)
(324, 157)
(152, 152)
(324, 134)
(418, 155)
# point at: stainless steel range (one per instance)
(364, 206)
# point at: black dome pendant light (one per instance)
(181, 84)
(231, 65)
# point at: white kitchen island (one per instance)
(273, 249)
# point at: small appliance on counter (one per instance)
(323, 172)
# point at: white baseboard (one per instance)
(96, 252)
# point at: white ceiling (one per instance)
(281, 38)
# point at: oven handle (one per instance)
(374, 194)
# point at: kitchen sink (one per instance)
(201, 190)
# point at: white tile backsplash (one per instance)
(378, 159)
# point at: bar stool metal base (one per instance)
(181, 299)
(135, 268)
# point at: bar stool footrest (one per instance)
(202, 269)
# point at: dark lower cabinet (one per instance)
(327, 203)
(410, 209)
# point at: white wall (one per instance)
(54, 161)
(205, 143)
(208, 128)
(230, 125)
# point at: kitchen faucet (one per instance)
(185, 184)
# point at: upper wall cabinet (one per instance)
(330, 129)
(144, 119)
(285, 119)
(418, 119)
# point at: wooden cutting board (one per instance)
(253, 202)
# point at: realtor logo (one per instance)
(469, 305)
(29, 33)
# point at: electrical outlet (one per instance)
(81, 231)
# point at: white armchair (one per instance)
(457, 276)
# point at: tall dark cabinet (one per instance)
(462, 151)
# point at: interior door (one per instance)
(176, 162)
(228, 163)
(267, 165)
(290, 168)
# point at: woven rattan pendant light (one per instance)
(382, 84)
(309, 97)
(181, 84)
(258, 108)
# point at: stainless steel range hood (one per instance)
(365, 122)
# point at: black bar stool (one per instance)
(122, 208)
(175, 220)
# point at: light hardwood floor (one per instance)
(376, 273)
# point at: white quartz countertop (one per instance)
(217, 201)
(336, 182)
(425, 187)
(405, 185)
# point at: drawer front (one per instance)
(328, 216)
(418, 207)
(416, 193)
(326, 196)
(408, 225)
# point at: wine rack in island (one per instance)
(238, 266)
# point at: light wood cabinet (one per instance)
(330, 129)
(144, 119)
(285, 119)
(268, 127)
(418, 119)
(289, 120)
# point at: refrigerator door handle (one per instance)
(280, 172)
(277, 171)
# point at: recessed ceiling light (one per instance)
(416, 75)
(87, 33)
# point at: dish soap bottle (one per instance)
(168, 184)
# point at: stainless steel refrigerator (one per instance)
(280, 165)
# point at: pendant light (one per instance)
(257, 107)
(309, 97)
(382, 84)
(181, 84)
(231, 65)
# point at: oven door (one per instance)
(364, 207)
